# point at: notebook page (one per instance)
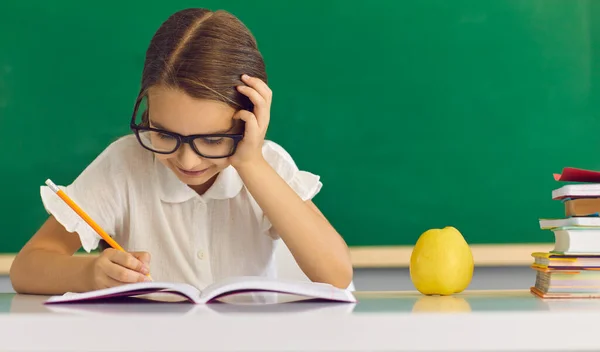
(251, 283)
(128, 290)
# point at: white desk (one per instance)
(386, 321)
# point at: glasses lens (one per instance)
(158, 142)
(215, 146)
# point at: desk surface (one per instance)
(473, 320)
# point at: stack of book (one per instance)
(572, 268)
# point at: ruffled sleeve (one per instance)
(97, 192)
(306, 184)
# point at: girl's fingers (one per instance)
(261, 87)
(260, 95)
(127, 260)
(249, 119)
(143, 257)
(123, 275)
(245, 116)
(253, 94)
(261, 110)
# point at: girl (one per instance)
(195, 194)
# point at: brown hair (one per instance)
(203, 53)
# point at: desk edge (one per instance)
(399, 256)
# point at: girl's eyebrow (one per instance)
(161, 127)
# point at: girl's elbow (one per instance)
(15, 276)
(19, 273)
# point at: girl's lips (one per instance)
(191, 172)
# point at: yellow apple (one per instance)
(441, 262)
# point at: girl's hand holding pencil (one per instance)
(114, 266)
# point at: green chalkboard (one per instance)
(417, 114)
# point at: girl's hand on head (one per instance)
(257, 122)
(114, 268)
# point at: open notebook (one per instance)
(172, 292)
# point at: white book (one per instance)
(592, 221)
(577, 190)
(577, 240)
(212, 292)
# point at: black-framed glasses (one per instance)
(211, 146)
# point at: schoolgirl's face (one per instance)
(172, 110)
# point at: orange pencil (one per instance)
(85, 217)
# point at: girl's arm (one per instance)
(46, 264)
(317, 247)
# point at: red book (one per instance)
(571, 174)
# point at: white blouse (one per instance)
(191, 238)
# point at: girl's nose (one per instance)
(187, 157)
